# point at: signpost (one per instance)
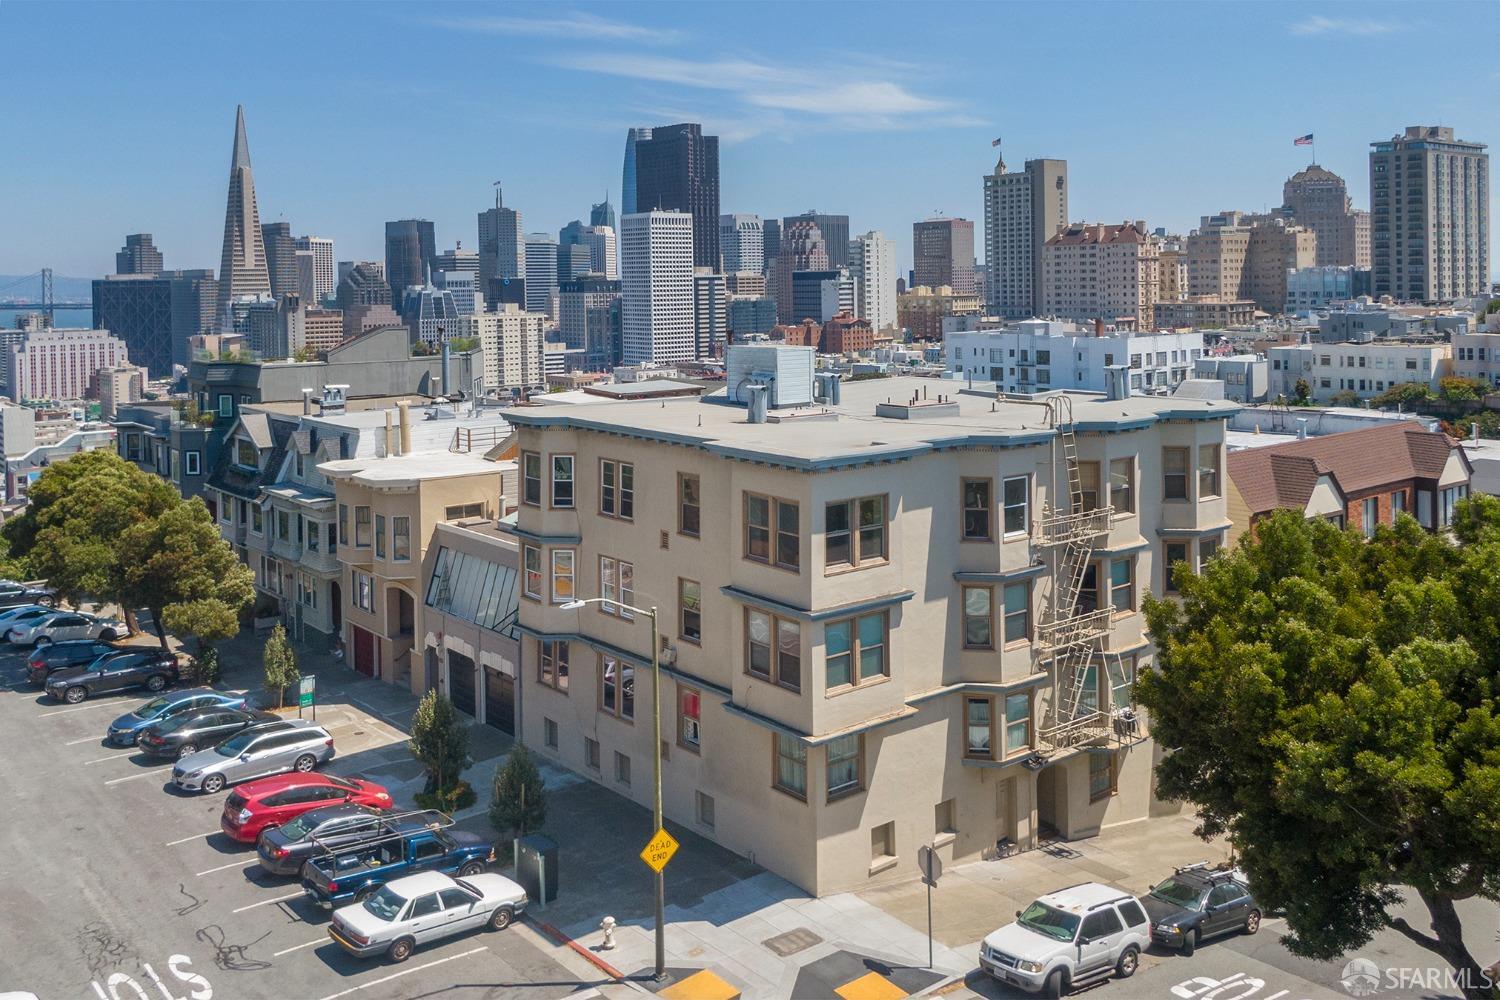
(932, 869)
(659, 850)
(306, 697)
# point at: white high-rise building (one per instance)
(1021, 212)
(511, 340)
(742, 241)
(657, 312)
(325, 276)
(601, 243)
(57, 364)
(541, 272)
(872, 262)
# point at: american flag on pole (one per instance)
(995, 142)
(1303, 140)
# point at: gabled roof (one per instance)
(1285, 475)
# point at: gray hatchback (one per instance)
(274, 748)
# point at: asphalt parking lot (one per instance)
(117, 886)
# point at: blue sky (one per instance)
(118, 117)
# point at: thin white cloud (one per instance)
(1362, 27)
(873, 97)
(569, 24)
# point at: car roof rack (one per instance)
(393, 826)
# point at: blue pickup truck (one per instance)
(353, 871)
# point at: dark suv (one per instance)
(1198, 902)
(48, 660)
(153, 669)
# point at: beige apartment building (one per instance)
(1091, 271)
(1233, 256)
(921, 310)
(889, 617)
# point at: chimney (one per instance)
(1099, 326)
(1474, 432)
(756, 413)
(447, 361)
(402, 407)
(307, 395)
(1301, 428)
(386, 441)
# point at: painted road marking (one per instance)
(232, 864)
(113, 756)
(268, 902)
(403, 972)
(288, 951)
(86, 739)
(143, 774)
(85, 708)
(184, 840)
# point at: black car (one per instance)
(47, 660)
(191, 731)
(284, 848)
(153, 669)
(1197, 903)
(13, 595)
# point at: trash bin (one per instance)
(536, 858)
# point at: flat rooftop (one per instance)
(853, 432)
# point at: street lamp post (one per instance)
(660, 972)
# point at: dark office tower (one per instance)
(138, 256)
(802, 249)
(155, 314)
(281, 258)
(835, 230)
(573, 261)
(627, 187)
(410, 254)
(771, 230)
(502, 245)
(677, 170)
(364, 285)
(242, 270)
(589, 319)
(603, 214)
(194, 294)
(570, 234)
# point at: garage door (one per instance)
(500, 701)
(364, 651)
(461, 682)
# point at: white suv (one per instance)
(1067, 938)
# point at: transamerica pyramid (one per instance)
(243, 269)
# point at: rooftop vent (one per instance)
(334, 399)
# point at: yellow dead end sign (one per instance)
(659, 850)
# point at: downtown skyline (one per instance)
(890, 126)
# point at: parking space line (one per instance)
(113, 756)
(184, 840)
(84, 708)
(287, 951)
(143, 774)
(86, 739)
(268, 902)
(404, 972)
(232, 864)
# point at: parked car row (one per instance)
(1088, 932)
(393, 881)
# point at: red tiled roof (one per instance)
(1284, 475)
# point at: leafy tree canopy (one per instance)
(518, 803)
(177, 565)
(439, 741)
(1333, 705)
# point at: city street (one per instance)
(118, 888)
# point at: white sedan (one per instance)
(60, 626)
(420, 908)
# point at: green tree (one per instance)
(440, 742)
(518, 799)
(1458, 391)
(1303, 390)
(1407, 395)
(280, 663)
(176, 565)
(1334, 712)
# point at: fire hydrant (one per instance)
(607, 925)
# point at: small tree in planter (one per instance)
(280, 663)
(440, 743)
(518, 802)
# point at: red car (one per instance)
(270, 802)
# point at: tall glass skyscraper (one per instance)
(627, 185)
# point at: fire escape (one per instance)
(1073, 630)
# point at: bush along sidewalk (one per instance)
(440, 743)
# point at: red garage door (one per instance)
(365, 655)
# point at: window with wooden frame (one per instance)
(855, 650)
(844, 765)
(1122, 485)
(1088, 594)
(343, 524)
(1208, 471)
(1174, 473)
(979, 728)
(616, 586)
(854, 533)
(689, 719)
(772, 532)
(1102, 776)
(552, 663)
(789, 773)
(562, 481)
(616, 687)
(773, 648)
(531, 479)
(1088, 484)
(979, 617)
(690, 611)
(1172, 554)
(1018, 709)
(361, 527)
(977, 510)
(1017, 597)
(1208, 547)
(1122, 584)
(531, 558)
(1016, 501)
(379, 535)
(617, 489)
(564, 570)
(689, 505)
